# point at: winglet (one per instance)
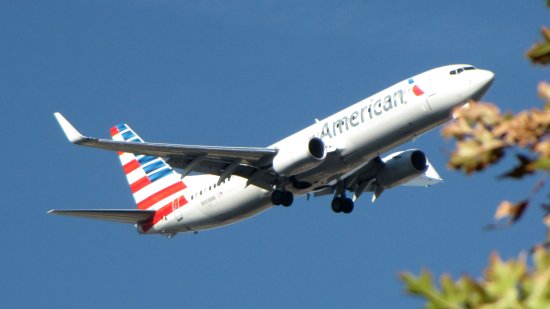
(72, 134)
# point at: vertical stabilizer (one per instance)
(154, 184)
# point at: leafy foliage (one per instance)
(540, 52)
(483, 137)
(505, 284)
(483, 133)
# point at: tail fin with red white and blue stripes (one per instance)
(154, 184)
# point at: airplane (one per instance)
(190, 188)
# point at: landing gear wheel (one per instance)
(288, 198)
(347, 205)
(342, 204)
(336, 205)
(280, 197)
(277, 197)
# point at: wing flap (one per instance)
(130, 216)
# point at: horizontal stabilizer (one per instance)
(131, 216)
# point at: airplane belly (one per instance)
(239, 205)
(224, 209)
(384, 133)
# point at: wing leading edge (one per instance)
(218, 160)
(248, 155)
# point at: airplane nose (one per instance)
(459, 88)
(481, 81)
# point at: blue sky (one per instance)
(241, 74)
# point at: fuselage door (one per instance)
(426, 105)
(175, 207)
(429, 89)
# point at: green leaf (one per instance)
(423, 286)
(540, 52)
(541, 164)
(541, 259)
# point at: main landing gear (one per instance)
(280, 197)
(342, 204)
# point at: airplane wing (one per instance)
(248, 162)
(131, 216)
(366, 178)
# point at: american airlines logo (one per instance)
(370, 111)
(360, 116)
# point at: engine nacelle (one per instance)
(296, 159)
(401, 167)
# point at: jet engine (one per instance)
(295, 159)
(401, 167)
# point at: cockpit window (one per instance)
(458, 71)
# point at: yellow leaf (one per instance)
(512, 210)
(546, 33)
(544, 91)
(543, 148)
